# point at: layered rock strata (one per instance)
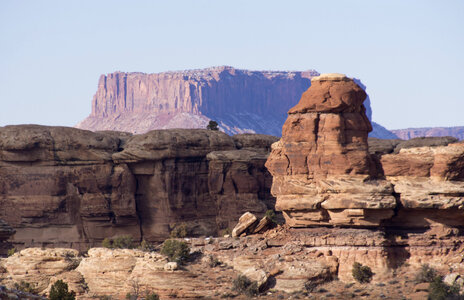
(401, 201)
(323, 172)
(410, 133)
(241, 101)
(68, 187)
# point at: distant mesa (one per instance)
(410, 133)
(241, 101)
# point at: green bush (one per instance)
(213, 261)
(146, 246)
(438, 290)
(179, 231)
(270, 214)
(175, 250)
(212, 125)
(151, 296)
(121, 242)
(59, 291)
(11, 252)
(26, 287)
(226, 231)
(362, 274)
(243, 285)
(426, 274)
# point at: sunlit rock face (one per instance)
(67, 187)
(323, 172)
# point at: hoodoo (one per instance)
(323, 172)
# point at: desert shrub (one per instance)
(107, 243)
(426, 274)
(123, 242)
(270, 214)
(146, 246)
(120, 242)
(244, 285)
(213, 261)
(438, 290)
(175, 250)
(59, 291)
(179, 231)
(26, 287)
(151, 296)
(11, 252)
(362, 274)
(212, 125)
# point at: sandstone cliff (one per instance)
(410, 133)
(409, 193)
(240, 100)
(69, 187)
(324, 174)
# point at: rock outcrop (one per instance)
(69, 187)
(242, 101)
(323, 172)
(410, 133)
(410, 194)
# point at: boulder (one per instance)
(246, 223)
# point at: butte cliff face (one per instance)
(410, 133)
(240, 100)
(69, 187)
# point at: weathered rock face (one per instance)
(410, 194)
(325, 175)
(59, 185)
(240, 100)
(410, 133)
(323, 172)
(5, 232)
(69, 187)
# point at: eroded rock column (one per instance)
(323, 173)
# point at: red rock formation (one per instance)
(59, 186)
(323, 173)
(410, 133)
(410, 193)
(68, 187)
(240, 100)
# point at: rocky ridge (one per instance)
(66, 187)
(410, 133)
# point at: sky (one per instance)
(409, 54)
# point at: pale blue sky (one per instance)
(409, 54)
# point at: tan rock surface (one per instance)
(68, 187)
(323, 173)
(247, 222)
